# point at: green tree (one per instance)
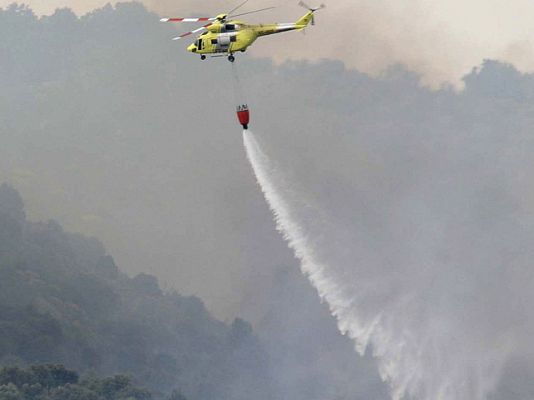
(10, 392)
(73, 392)
(118, 387)
(15, 376)
(177, 395)
(51, 376)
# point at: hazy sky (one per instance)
(442, 40)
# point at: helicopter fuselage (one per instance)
(234, 36)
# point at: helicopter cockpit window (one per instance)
(230, 27)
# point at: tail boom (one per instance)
(270, 29)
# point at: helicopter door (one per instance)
(224, 41)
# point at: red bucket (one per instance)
(243, 115)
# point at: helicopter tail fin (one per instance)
(305, 20)
(309, 17)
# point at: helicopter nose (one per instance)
(192, 48)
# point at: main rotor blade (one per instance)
(251, 12)
(201, 19)
(191, 32)
(302, 4)
(238, 7)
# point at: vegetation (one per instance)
(55, 382)
(63, 300)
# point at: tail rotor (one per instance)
(311, 9)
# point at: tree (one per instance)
(15, 376)
(177, 395)
(51, 376)
(10, 392)
(73, 392)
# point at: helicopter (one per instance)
(223, 35)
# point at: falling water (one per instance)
(424, 320)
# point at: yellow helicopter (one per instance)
(227, 36)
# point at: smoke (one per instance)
(432, 290)
(441, 41)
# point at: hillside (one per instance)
(63, 300)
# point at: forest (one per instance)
(55, 382)
(64, 301)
